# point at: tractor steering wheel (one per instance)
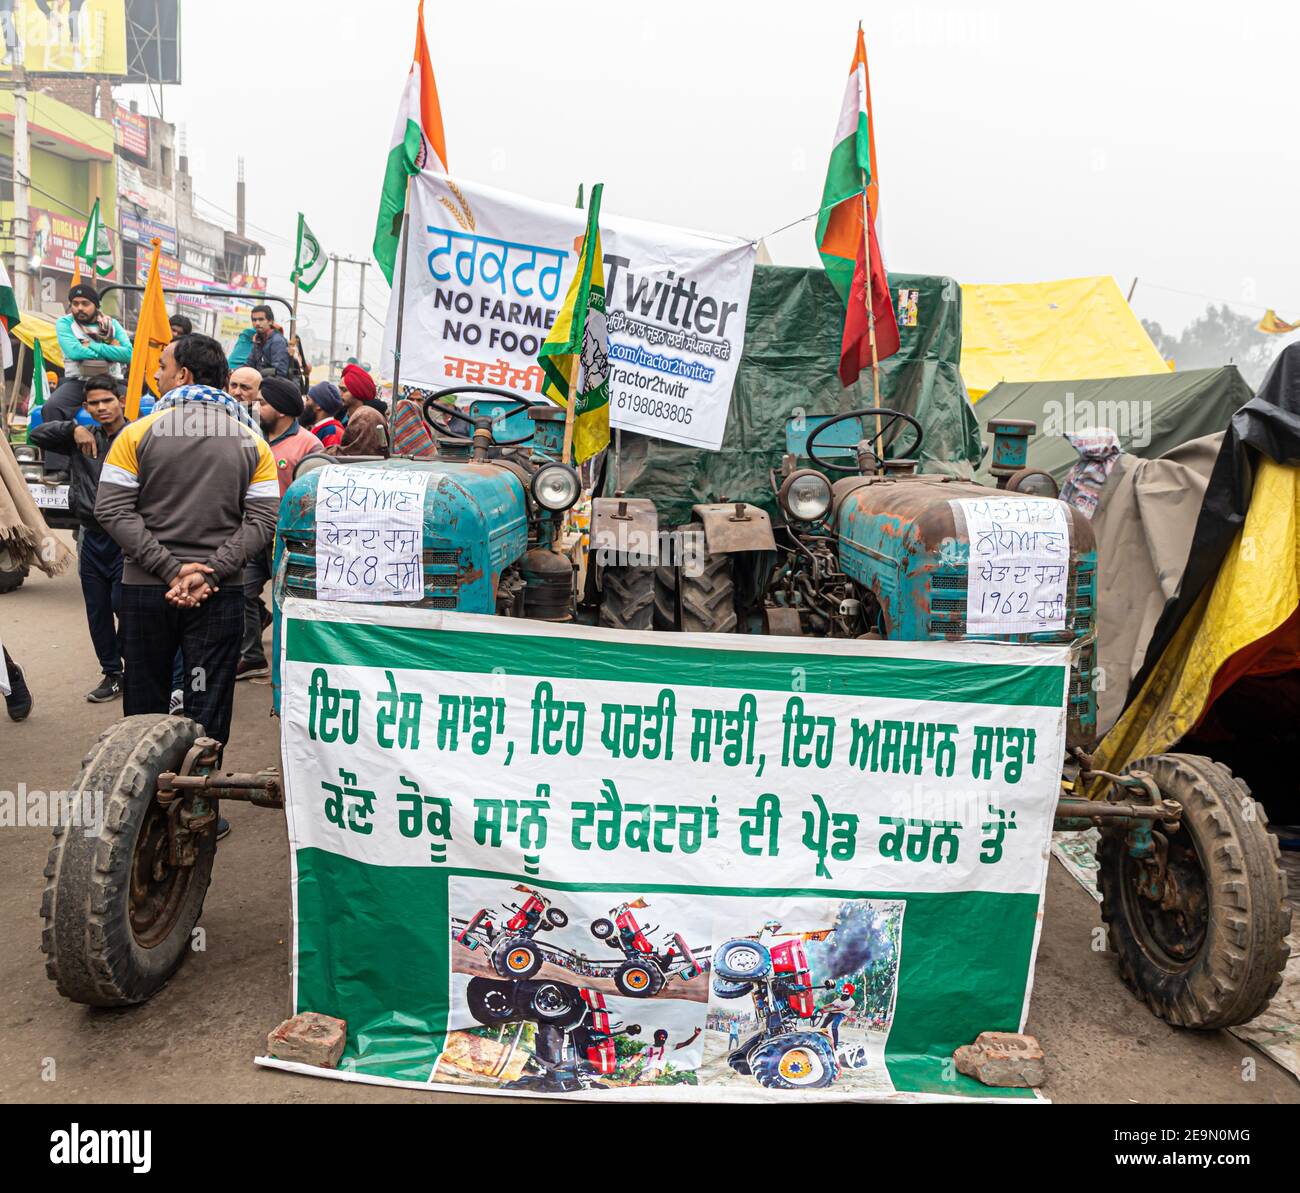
(442, 430)
(890, 417)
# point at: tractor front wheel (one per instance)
(118, 906)
(1199, 924)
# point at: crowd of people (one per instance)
(176, 510)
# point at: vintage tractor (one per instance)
(644, 972)
(786, 1052)
(862, 546)
(515, 952)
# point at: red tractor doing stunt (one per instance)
(644, 971)
(786, 1052)
(515, 954)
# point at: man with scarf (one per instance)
(366, 431)
(93, 344)
(190, 494)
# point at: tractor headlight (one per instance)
(556, 487)
(25, 453)
(805, 495)
(1033, 482)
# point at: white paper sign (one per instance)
(487, 273)
(1019, 564)
(370, 534)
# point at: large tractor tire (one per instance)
(700, 603)
(491, 1002)
(118, 915)
(800, 1060)
(516, 958)
(627, 598)
(1209, 953)
(639, 979)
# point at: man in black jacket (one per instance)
(99, 558)
(270, 353)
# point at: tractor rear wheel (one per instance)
(118, 912)
(639, 979)
(516, 958)
(627, 598)
(800, 1060)
(1208, 951)
(699, 596)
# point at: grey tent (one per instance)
(1151, 414)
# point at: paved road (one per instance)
(196, 1041)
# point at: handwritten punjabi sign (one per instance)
(370, 534)
(486, 273)
(1019, 564)
(482, 809)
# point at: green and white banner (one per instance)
(556, 860)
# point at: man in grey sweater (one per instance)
(190, 495)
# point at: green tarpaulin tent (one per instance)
(792, 347)
(1151, 414)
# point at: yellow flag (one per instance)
(152, 334)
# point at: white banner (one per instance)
(487, 271)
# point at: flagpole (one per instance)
(401, 311)
(871, 312)
(293, 315)
(573, 399)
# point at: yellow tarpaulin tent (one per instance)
(1070, 330)
(33, 327)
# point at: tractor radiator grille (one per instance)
(441, 572)
(948, 612)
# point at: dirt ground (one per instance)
(196, 1040)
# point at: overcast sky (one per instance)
(1017, 140)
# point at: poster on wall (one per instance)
(487, 271)
(555, 860)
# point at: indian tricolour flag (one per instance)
(840, 226)
(417, 144)
(10, 316)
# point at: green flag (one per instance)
(94, 248)
(309, 261)
(40, 383)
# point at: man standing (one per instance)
(323, 406)
(180, 326)
(189, 493)
(279, 408)
(270, 352)
(99, 558)
(92, 345)
(366, 431)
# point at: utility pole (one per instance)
(334, 313)
(22, 181)
(361, 308)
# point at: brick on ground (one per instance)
(1003, 1058)
(310, 1039)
